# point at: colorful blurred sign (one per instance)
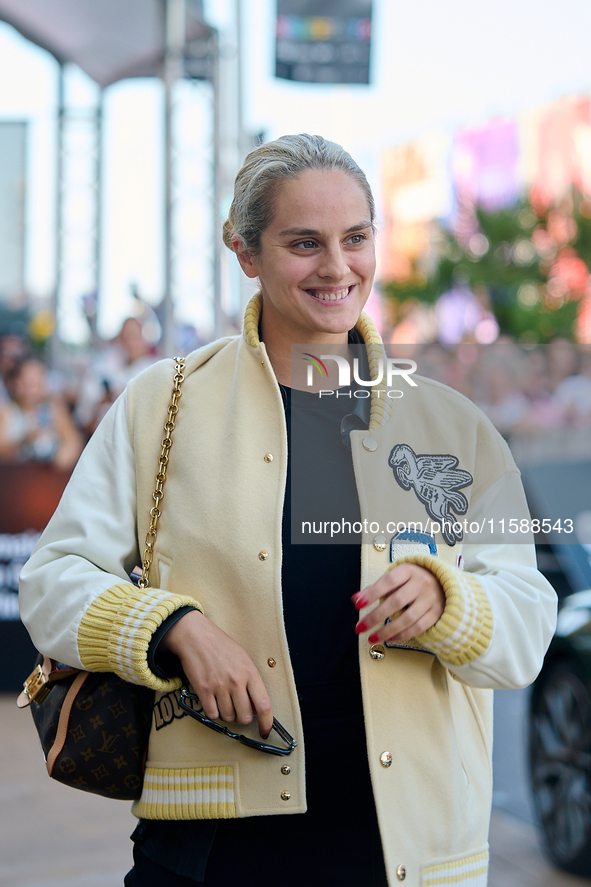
(416, 190)
(486, 165)
(562, 154)
(323, 41)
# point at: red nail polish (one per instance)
(361, 627)
(266, 735)
(373, 638)
(360, 603)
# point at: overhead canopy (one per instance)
(109, 39)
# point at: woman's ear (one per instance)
(246, 259)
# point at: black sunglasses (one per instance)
(186, 702)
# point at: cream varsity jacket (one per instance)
(427, 705)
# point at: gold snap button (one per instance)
(386, 758)
(370, 444)
(286, 769)
(376, 651)
(380, 543)
(285, 796)
(401, 872)
(271, 662)
(268, 457)
(263, 555)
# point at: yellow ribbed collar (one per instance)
(381, 405)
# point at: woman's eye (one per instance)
(357, 238)
(306, 244)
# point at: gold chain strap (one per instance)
(158, 493)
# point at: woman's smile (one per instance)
(335, 294)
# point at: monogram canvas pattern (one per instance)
(106, 734)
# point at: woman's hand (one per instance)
(408, 590)
(220, 671)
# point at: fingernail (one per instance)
(360, 603)
(373, 638)
(266, 735)
(361, 627)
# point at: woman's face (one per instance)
(317, 259)
(29, 386)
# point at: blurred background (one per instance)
(122, 126)
(472, 121)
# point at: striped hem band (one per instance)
(200, 793)
(469, 871)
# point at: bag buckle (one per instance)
(36, 686)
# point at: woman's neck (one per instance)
(290, 359)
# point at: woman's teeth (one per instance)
(330, 297)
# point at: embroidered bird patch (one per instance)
(437, 482)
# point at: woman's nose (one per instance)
(333, 264)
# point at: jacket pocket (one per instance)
(467, 871)
(473, 736)
(164, 566)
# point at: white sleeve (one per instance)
(89, 545)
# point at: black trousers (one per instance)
(336, 841)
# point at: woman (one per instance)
(34, 425)
(110, 371)
(389, 697)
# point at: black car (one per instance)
(560, 739)
(560, 702)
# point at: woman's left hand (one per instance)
(410, 595)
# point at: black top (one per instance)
(318, 581)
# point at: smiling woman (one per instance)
(379, 700)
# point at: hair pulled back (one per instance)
(268, 167)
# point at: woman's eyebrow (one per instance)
(311, 232)
(299, 232)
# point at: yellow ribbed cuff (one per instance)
(116, 630)
(464, 631)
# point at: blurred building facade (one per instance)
(539, 162)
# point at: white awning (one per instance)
(109, 39)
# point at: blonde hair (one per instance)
(268, 167)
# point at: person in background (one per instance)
(502, 396)
(562, 360)
(13, 348)
(111, 370)
(35, 425)
(574, 393)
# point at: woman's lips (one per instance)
(333, 295)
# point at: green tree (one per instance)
(530, 264)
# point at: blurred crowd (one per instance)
(524, 391)
(48, 417)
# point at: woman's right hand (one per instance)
(220, 671)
